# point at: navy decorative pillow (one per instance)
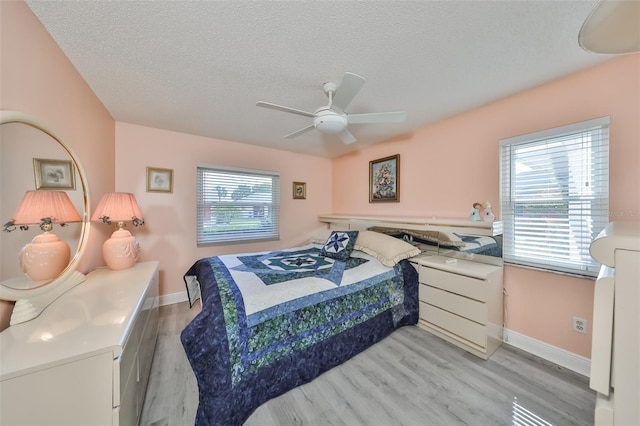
(340, 244)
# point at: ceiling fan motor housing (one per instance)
(328, 121)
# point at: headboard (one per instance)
(416, 223)
(460, 238)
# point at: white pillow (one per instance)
(321, 236)
(388, 250)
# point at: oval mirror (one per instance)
(32, 158)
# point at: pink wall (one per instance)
(169, 233)
(38, 79)
(447, 166)
(444, 167)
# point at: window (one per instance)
(555, 196)
(237, 206)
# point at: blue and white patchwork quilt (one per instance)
(272, 321)
(479, 245)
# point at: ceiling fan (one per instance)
(612, 27)
(333, 117)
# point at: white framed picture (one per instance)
(159, 180)
(54, 174)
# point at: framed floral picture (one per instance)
(299, 190)
(159, 180)
(384, 179)
(54, 174)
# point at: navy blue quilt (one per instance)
(241, 361)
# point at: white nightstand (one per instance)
(462, 302)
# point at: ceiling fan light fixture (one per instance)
(612, 28)
(330, 122)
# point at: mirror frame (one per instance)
(30, 302)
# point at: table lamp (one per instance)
(122, 249)
(46, 256)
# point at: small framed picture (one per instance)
(299, 190)
(384, 179)
(159, 180)
(54, 174)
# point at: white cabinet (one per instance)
(86, 359)
(615, 347)
(461, 302)
(474, 227)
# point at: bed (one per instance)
(272, 321)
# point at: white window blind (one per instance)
(237, 206)
(555, 196)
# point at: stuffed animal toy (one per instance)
(486, 214)
(475, 212)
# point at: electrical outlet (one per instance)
(580, 325)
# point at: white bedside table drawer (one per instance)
(460, 284)
(462, 327)
(462, 306)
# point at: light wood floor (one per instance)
(410, 378)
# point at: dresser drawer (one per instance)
(459, 305)
(460, 284)
(128, 411)
(127, 364)
(455, 324)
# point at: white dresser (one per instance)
(462, 302)
(86, 359)
(615, 348)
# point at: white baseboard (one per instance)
(170, 299)
(563, 358)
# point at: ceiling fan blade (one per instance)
(285, 109)
(346, 91)
(347, 137)
(299, 132)
(378, 117)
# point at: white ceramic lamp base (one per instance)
(45, 257)
(121, 250)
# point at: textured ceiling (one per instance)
(199, 67)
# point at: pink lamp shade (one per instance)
(47, 255)
(121, 251)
